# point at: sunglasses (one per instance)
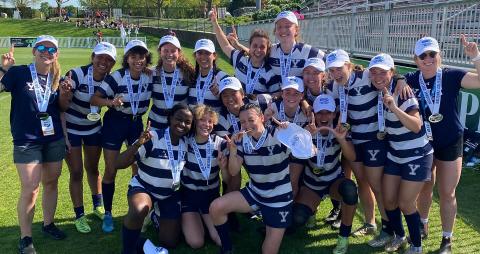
(42, 49)
(431, 54)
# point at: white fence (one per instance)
(393, 31)
(77, 42)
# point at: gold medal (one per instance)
(175, 186)
(381, 135)
(94, 117)
(435, 118)
(346, 126)
(42, 115)
(318, 171)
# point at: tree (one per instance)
(45, 8)
(59, 6)
(23, 3)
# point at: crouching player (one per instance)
(323, 174)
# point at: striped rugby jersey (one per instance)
(209, 99)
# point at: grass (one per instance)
(320, 239)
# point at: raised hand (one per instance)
(213, 15)
(8, 58)
(388, 99)
(281, 125)
(145, 136)
(66, 84)
(214, 87)
(471, 48)
(403, 89)
(222, 159)
(117, 101)
(269, 112)
(312, 127)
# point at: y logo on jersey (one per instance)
(30, 86)
(270, 150)
(283, 214)
(373, 154)
(358, 90)
(413, 169)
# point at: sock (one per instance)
(413, 221)
(447, 234)
(424, 221)
(386, 227)
(108, 191)
(223, 233)
(395, 219)
(129, 240)
(335, 204)
(345, 230)
(97, 200)
(79, 211)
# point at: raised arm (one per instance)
(221, 38)
(471, 80)
(7, 61)
(410, 120)
(127, 157)
(234, 160)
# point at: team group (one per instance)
(398, 134)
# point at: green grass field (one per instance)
(320, 239)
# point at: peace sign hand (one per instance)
(388, 99)
(222, 159)
(269, 112)
(312, 127)
(471, 48)
(66, 84)
(7, 59)
(213, 15)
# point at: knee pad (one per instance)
(301, 214)
(348, 190)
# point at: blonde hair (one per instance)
(201, 110)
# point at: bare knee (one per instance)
(217, 208)
(76, 175)
(407, 206)
(195, 242)
(447, 195)
(30, 190)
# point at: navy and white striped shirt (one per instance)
(159, 111)
(116, 85)
(362, 107)
(331, 169)
(301, 52)
(266, 82)
(192, 177)
(405, 145)
(268, 170)
(299, 118)
(76, 114)
(209, 99)
(154, 170)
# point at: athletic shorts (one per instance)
(419, 170)
(275, 217)
(94, 139)
(371, 153)
(450, 152)
(118, 128)
(198, 201)
(324, 192)
(39, 153)
(168, 208)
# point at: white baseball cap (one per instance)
(382, 61)
(43, 38)
(293, 82)
(170, 39)
(204, 44)
(134, 43)
(426, 44)
(324, 102)
(105, 48)
(229, 83)
(316, 63)
(288, 15)
(337, 58)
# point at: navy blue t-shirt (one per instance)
(449, 129)
(24, 125)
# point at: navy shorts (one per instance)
(419, 170)
(371, 153)
(94, 139)
(39, 153)
(168, 208)
(198, 201)
(275, 217)
(325, 191)
(451, 152)
(117, 128)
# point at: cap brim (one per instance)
(291, 86)
(236, 88)
(381, 66)
(46, 40)
(429, 48)
(204, 48)
(318, 68)
(336, 64)
(323, 108)
(104, 52)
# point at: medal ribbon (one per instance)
(93, 109)
(435, 104)
(247, 142)
(233, 121)
(285, 64)
(344, 98)
(42, 100)
(252, 82)
(380, 111)
(283, 117)
(322, 148)
(134, 97)
(207, 166)
(174, 164)
(206, 85)
(169, 95)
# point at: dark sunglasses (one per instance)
(42, 49)
(431, 54)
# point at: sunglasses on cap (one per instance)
(42, 49)
(431, 54)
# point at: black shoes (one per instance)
(445, 246)
(26, 246)
(52, 231)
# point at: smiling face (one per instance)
(429, 65)
(102, 64)
(204, 124)
(285, 31)
(258, 48)
(380, 78)
(45, 57)
(137, 62)
(291, 97)
(181, 122)
(232, 99)
(312, 79)
(169, 53)
(251, 120)
(340, 74)
(205, 59)
(324, 118)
